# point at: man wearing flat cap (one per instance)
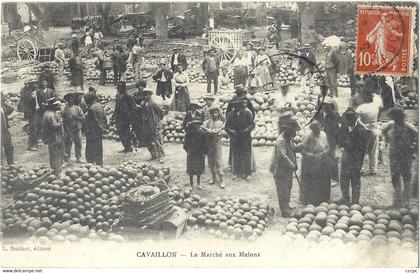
(352, 137)
(28, 104)
(53, 134)
(193, 112)
(283, 164)
(239, 124)
(402, 138)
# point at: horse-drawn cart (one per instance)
(228, 42)
(36, 46)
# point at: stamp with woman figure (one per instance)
(385, 38)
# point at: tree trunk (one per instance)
(307, 12)
(41, 13)
(160, 10)
(103, 10)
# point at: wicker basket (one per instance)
(21, 185)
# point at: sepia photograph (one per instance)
(209, 134)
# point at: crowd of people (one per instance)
(351, 136)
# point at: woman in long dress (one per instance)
(262, 66)
(316, 175)
(240, 70)
(181, 100)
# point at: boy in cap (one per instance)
(352, 137)
(240, 92)
(53, 134)
(283, 164)
(193, 113)
(73, 119)
(195, 144)
(239, 124)
(213, 127)
(209, 100)
(401, 137)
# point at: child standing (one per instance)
(195, 144)
(214, 127)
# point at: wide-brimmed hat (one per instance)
(59, 44)
(306, 46)
(211, 49)
(209, 97)
(290, 124)
(350, 115)
(91, 89)
(148, 91)
(30, 79)
(51, 102)
(67, 97)
(194, 104)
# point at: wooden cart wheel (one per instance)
(26, 50)
(226, 46)
(227, 53)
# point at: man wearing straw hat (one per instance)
(284, 165)
(53, 134)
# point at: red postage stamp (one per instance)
(384, 44)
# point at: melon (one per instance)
(356, 207)
(409, 227)
(395, 215)
(355, 227)
(379, 232)
(393, 234)
(321, 218)
(341, 226)
(407, 220)
(327, 230)
(394, 227)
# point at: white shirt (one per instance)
(88, 40)
(369, 111)
(176, 58)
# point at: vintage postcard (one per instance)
(209, 134)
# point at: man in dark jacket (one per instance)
(210, 67)
(239, 124)
(163, 78)
(28, 103)
(331, 70)
(6, 137)
(43, 95)
(352, 137)
(119, 59)
(178, 58)
(124, 108)
(53, 134)
(307, 60)
(240, 92)
(95, 126)
(151, 115)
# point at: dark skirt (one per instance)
(181, 100)
(77, 78)
(195, 164)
